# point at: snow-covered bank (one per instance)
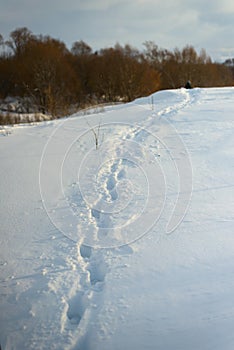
(105, 248)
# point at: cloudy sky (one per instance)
(205, 24)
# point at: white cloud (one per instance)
(170, 23)
(87, 5)
(225, 6)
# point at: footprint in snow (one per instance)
(76, 309)
(85, 251)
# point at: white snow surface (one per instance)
(127, 246)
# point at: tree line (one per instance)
(54, 78)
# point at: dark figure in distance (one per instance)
(188, 85)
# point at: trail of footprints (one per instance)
(92, 265)
(94, 270)
(92, 277)
(90, 260)
(110, 177)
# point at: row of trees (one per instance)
(42, 68)
(178, 66)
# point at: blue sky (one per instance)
(205, 24)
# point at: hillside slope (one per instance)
(117, 227)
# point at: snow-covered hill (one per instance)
(117, 227)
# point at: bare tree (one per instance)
(19, 39)
(80, 48)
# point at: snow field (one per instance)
(125, 246)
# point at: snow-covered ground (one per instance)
(127, 245)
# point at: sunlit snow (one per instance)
(117, 227)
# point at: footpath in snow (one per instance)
(117, 227)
